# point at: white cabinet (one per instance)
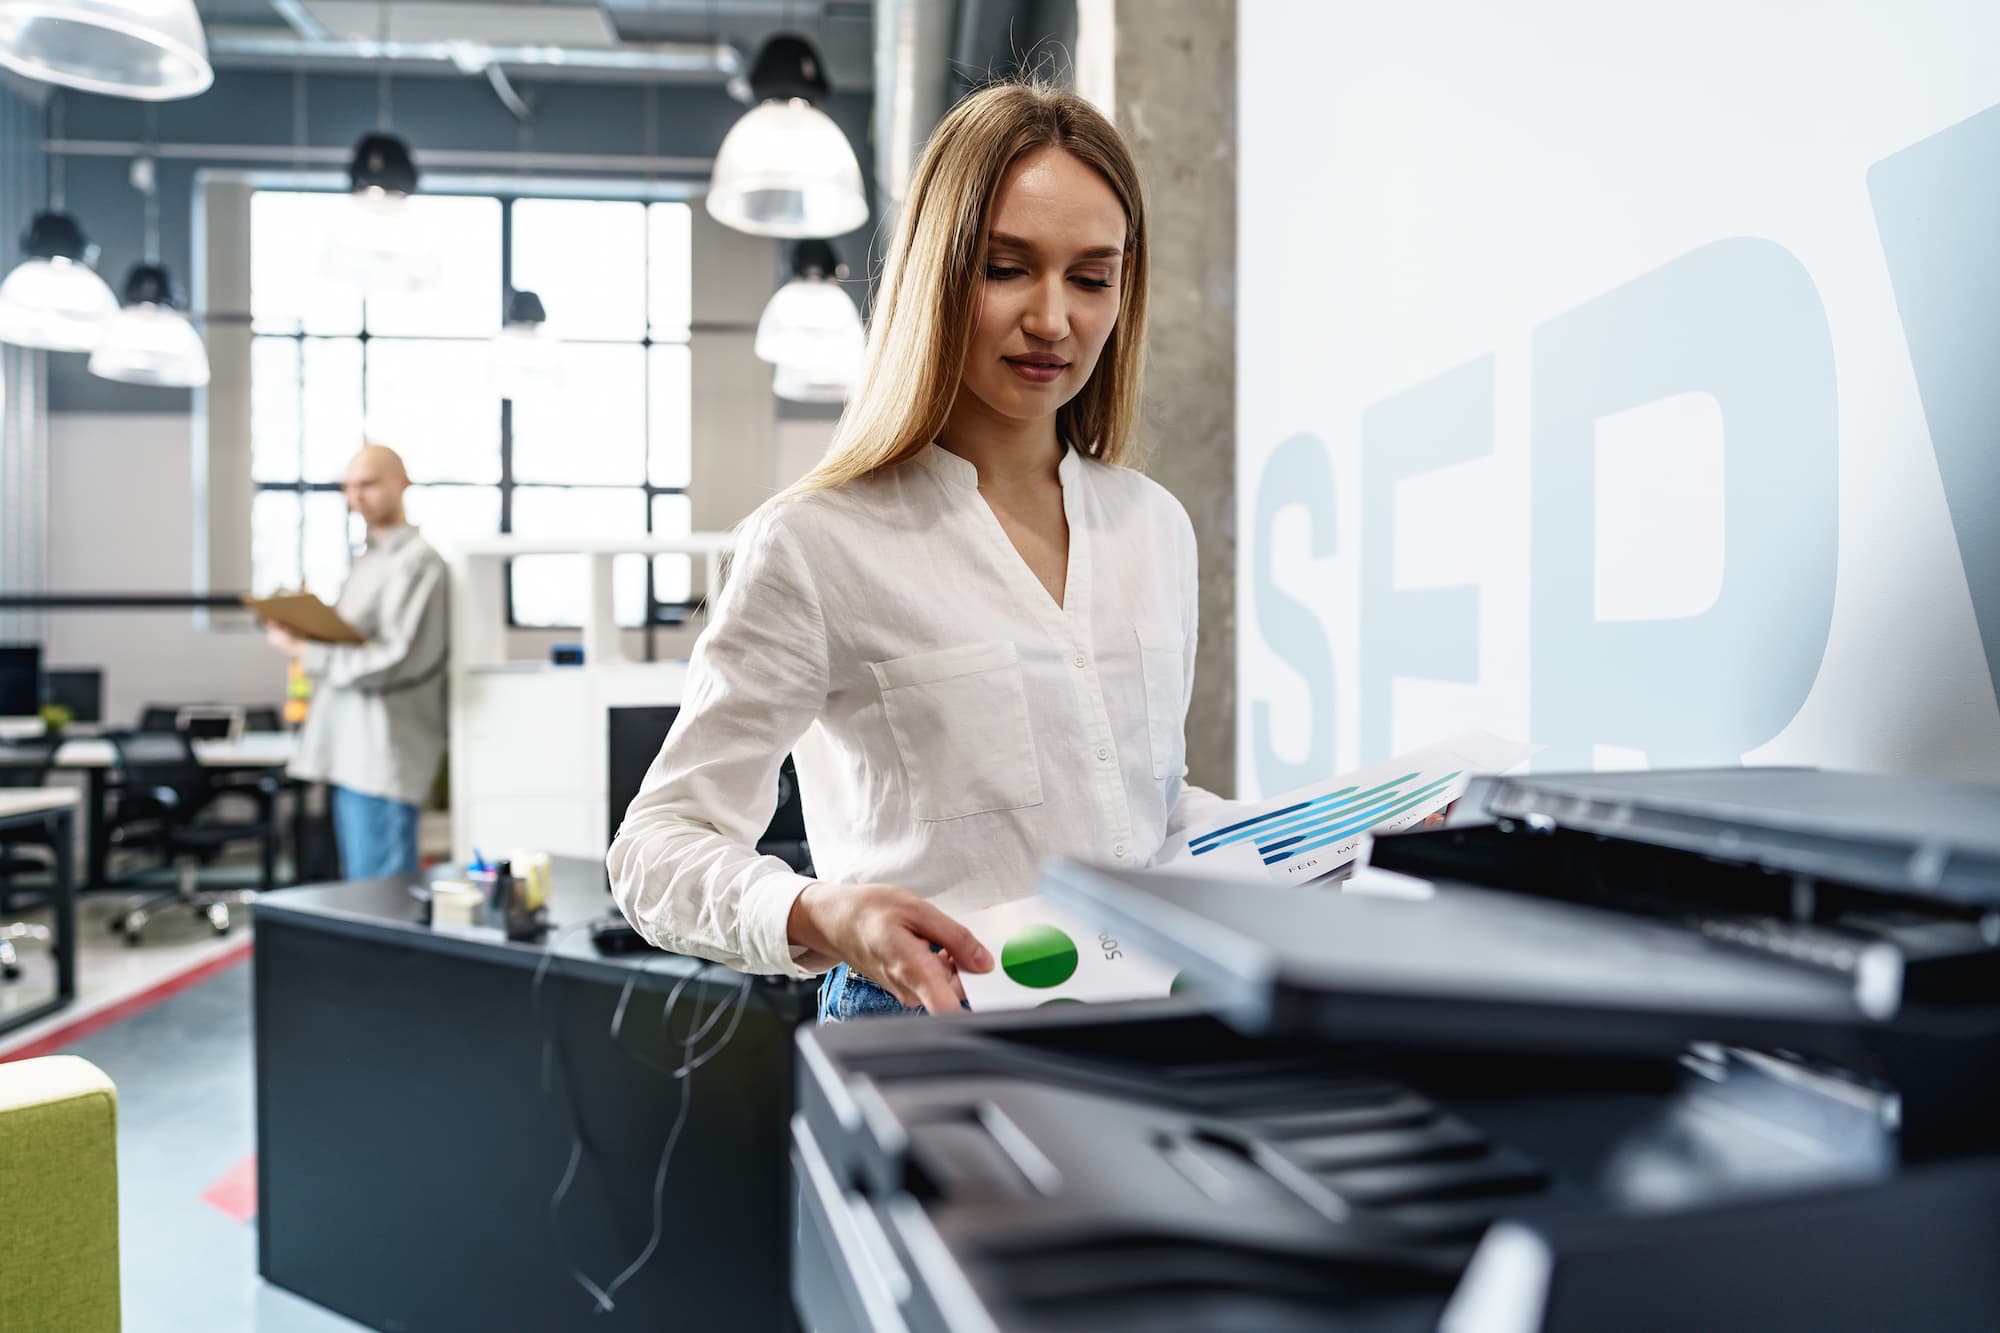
(528, 739)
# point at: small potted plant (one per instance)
(55, 718)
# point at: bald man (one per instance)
(377, 727)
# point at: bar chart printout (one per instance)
(1316, 830)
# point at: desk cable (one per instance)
(604, 1297)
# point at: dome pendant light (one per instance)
(810, 326)
(150, 341)
(54, 299)
(526, 357)
(152, 50)
(382, 168)
(785, 169)
(798, 386)
(380, 248)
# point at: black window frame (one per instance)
(657, 612)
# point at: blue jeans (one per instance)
(845, 995)
(377, 836)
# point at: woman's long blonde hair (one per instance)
(931, 286)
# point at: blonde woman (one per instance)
(973, 623)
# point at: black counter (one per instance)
(423, 1093)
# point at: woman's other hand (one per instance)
(885, 932)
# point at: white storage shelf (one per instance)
(528, 741)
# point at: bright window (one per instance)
(604, 448)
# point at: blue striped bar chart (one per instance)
(1287, 838)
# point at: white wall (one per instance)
(121, 519)
(801, 443)
(1619, 377)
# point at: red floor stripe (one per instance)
(65, 1034)
(236, 1193)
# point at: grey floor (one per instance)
(185, 1118)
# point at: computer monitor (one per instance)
(635, 736)
(79, 689)
(20, 680)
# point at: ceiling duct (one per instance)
(659, 60)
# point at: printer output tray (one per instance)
(1143, 1167)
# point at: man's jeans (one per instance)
(377, 836)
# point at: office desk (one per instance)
(95, 757)
(54, 808)
(407, 1152)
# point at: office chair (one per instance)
(786, 836)
(30, 762)
(192, 717)
(167, 802)
(159, 717)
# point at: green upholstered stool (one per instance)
(58, 1197)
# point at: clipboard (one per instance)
(306, 616)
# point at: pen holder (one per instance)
(519, 902)
(526, 902)
(491, 908)
(524, 923)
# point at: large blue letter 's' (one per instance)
(1296, 473)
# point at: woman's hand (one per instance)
(885, 933)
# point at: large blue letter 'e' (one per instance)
(1428, 632)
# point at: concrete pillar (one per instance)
(1171, 87)
(735, 417)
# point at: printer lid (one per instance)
(1469, 967)
(1915, 836)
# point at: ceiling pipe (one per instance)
(235, 47)
(293, 155)
(301, 20)
(509, 98)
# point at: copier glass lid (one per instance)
(1914, 836)
(1468, 967)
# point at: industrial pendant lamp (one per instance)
(810, 325)
(150, 340)
(153, 50)
(798, 386)
(54, 299)
(785, 169)
(379, 248)
(526, 356)
(382, 168)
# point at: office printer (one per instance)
(1669, 1050)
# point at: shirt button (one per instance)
(1081, 660)
(1103, 752)
(1119, 851)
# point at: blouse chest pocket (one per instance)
(1166, 709)
(960, 721)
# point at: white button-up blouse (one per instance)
(952, 726)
